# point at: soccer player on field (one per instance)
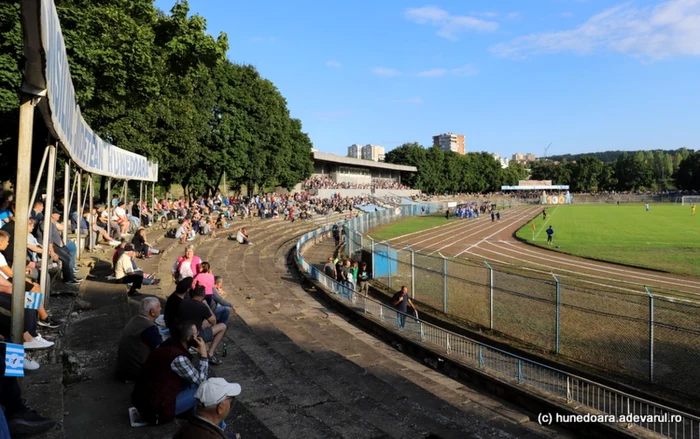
(646, 207)
(550, 234)
(692, 210)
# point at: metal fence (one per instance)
(581, 395)
(655, 339)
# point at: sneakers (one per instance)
(114, 243)
(30, 364)
(38, 343)
(48, 323)
(43, 340)
(28, 422)
(75, 281)
(214, 360)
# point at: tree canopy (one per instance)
(440, 171)
(158, 84)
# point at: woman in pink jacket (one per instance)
(187, 265)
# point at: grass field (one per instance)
(409, 225)
(667, 238)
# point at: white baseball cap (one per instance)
(215, 390)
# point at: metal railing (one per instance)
(628, 331)
(583, 396)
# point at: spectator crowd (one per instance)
(323, 182)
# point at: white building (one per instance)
(373, 152)
(355, 151)
(503, 161)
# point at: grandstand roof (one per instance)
(359, 162)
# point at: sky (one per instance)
(512, 76)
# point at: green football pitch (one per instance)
(665, 238)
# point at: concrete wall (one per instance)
(326, 193)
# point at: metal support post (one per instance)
(520, 370)
(38, 177)
(651, 334)
(372, 258)
(126, 191)
(66, 199)
(108, 207)
(24, 164)
(50, 189)
(140, 193)
(66, 207)
(91, 235)
(153, 199)
(79, 207)
(490, 294)
(413, 272)
(388, 260)
(444, 282)
(557, 314)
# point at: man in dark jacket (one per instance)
(214, 400)
(139, 338)
(168, 380)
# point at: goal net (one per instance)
(687, 200)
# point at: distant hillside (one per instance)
(605, 156)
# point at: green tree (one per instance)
(585, 174)
(688, 175)
(408, 154)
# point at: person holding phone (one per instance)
(169, 379)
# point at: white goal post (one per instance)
(687, 200)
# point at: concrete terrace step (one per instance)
(309, 373)
(305, 370)
(95, 403)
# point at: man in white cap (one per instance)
(214, 399)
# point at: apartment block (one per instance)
(450, 142)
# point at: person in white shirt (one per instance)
(242, 236)
(124, 271)
(121, 218)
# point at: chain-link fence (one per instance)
(634, 334)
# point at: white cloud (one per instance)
(385, 71)
(415, 100)
(333, 64)
(263, 40)
(567, 14)
(449, 26)
(465, 70)
(669, 29)
(433, 72)
(487, 14)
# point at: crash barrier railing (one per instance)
(593, 402)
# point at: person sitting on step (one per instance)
(139, 338)
(124, 271)
(169, 379)
(214, 400)
(197, 311)
(242, 236)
